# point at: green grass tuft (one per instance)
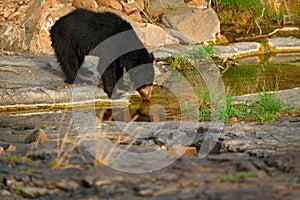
(270, 103)
(237, 177)
(13, 158)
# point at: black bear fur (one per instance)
(75, 35)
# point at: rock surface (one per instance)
(158, 7)
(289, 97)
(247, 160)
(199, 24)
(26, 26)
(238, 49)
(36, 136)
(284, 44)
(39, 82)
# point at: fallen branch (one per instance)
(256, 21)
(284, 29)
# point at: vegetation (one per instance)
(268, 107)
(268, 102)
(237, 177)
(180, 62)
(265, 109)
(18, 190)
(14, 158)
(239, 4)
(185, 59)
(246, 12)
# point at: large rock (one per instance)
(158, 7)
(40, 43)
(13, 24)
(85, 4)
(133, 9)
(200, 24)
(30, 30)
(114, 4)
(155, 36)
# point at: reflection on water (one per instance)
(164, 106)
(246, 79)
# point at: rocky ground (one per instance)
(45, 156)
(259, 161)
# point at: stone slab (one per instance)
(39, 82)
(284, 44)
(290, 97)
(238, 49)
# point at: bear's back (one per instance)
(87, 29)
(84, 20)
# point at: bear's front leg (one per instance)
(109, 83)
(108, 80)
(119, 72)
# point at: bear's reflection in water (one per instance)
(163, 106)
(144, 112)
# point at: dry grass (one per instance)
(105, 152)
(101, 157)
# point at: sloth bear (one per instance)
(108, 36)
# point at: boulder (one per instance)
(201, 3)
(155, 36)
(158, 7)
(114, 4)
(40, 42)
(200, 24)
(136, 16)
(65, 1)
(14, 26)
(85, 4)
(36, 136)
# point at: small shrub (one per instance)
(180, 62)
(185, 60)
(269, 102)
(266, 116)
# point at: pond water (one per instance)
(164, 106)
(244, 78)
(254, 78)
